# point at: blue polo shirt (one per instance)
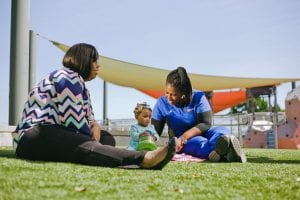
(181, 119)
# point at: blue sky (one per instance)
(257, 38)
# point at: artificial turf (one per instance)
(268, 174)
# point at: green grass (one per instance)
(268, 174)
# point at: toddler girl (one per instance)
(142, 134)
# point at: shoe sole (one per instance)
(222, 145)
(235, 153)
(214, 156)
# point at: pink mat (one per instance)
(186, 158)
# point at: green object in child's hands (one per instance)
(146, 142)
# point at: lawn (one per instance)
(268, 174)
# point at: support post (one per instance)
(32, 60)
(105, 120)
(19, 59)
(275, 122)
(293, 85)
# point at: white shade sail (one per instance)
(148, 78)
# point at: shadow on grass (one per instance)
(10, 153)
(270, 160)
(7, 153)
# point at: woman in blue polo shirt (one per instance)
(188, 116)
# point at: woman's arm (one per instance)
(154, 134)
(158, 125)
(134, 133)
(95, 127)
(204, 123)
(96, 130)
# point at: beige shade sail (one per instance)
(148, 78)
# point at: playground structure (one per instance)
(261, 134)
(289, 129)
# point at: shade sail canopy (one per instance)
(148, 78)
(224, 100)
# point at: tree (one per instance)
(260, 105)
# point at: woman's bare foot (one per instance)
(157, 159)
(152, 158)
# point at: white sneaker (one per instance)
(236, 153)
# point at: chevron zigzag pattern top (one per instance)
(60, 98)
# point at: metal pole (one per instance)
(293, 85)
(19, 59)
(252, 105)
(239, 128)
(275, 117)
(105, 121)
(32, 59)
(270, 104)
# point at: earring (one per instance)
(183, 96)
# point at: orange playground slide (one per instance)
(220, 100)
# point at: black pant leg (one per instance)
(57, 143)
(50, 142)
(109, 156)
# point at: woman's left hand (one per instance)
(180, 142)
(96, 131)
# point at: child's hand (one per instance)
(153, 138)
(146, 133)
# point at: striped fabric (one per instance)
(60, 98)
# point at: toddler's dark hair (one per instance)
(139, 108)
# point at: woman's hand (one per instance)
(96, 131)
(180, 142)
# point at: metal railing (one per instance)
(238, 124)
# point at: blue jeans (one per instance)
(201, 146)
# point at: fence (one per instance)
(237, 123)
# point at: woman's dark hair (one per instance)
(180, 80)
(80, 57)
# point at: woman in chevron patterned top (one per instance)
(58, 123)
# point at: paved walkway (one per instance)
(5, 135)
